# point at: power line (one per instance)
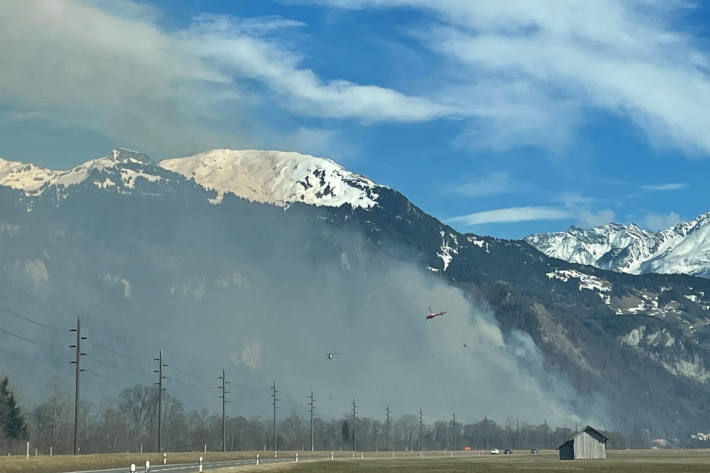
(19, 355)
(186, 373)
(94, 373)
(18, 336)
(14, 313)
(106, 348)
(108, 364)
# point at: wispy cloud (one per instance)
(511, 214)
(673, 186)
(573, 206)
(593, 218)
(494, 183)
(655, 221)
(321, 142)
(573, 199)
(533, 69)
(111, 67)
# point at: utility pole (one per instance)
(387, 428)
(421, 445)
(545, 434)
(354, 425)
(454, 431)
(273, 403)
(159, 371)
(223, 397)
(77, 362)
(517, 431)
(311, 405)
(485, 433)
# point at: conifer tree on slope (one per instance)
(12, 421)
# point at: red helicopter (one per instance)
(432, 314)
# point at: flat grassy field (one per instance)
(619, 461)
(61, 463)
(677, 461)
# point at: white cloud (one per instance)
(320, 142)
(191, 290)
(35, 270)
(536, 67)
(655, 221)
(494, 183)
(592, 218)
(512, 214)
(573, 199)
(235, 279)
(251, 355)
(575, 207)
(673, 186)
(517, 73)
(113, 279)
(111, 67)
(584, 209)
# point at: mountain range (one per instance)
(683, 248)
(270, 260)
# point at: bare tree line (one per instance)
(128, 423)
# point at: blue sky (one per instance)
(501, 118)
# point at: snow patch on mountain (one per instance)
(586, 281)
(479, 243)
(448, 249)
(681, 249)
(276, 177)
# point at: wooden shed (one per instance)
(585, 444)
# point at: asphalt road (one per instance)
(190, 467)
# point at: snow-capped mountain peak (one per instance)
(276, 177)
(683, 248)
(33, 180)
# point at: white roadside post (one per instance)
(165, 458)
(133, 468)
(362, 455)
(27, 453)
(50, 450)
(331, 454)
(257, 459)
(147, 466)
(200, 468)
(296, 457)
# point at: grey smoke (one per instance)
(266, 294)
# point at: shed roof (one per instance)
(587, 428)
